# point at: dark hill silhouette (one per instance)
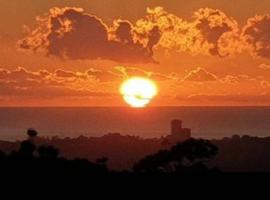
(238, 153)
(33, 158)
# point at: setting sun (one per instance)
(138, 91)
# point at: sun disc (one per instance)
(138, 91)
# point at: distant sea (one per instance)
(205, 122)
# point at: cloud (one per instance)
(70, 75)
(163, 77)
(264, 66)
(67, 83)
(135, 71)
(65, 74)
(211, 32)
(104, 76)
(200, 75)
(215, 28)
(20, 81)
(227, 99)
(241, 78)
(265, 84)
(132, 71)
(22, 74)
(256, 34)
(71, 33)
(47, 91)
(176, 33)
(228, 85)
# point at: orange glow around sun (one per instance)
(138, 92)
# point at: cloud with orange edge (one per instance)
(71, 33)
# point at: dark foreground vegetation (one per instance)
(189, 156)
(115, 154)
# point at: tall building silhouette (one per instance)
(178, 133)
(176, 126)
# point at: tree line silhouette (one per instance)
(189, 156)
(120, 153)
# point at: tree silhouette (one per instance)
(48, 152)
(32, 133)
(27, 149)
(33, 159)
(189, 156)
(102, 161)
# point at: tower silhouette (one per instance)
(178, 133)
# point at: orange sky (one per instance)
(77, 53)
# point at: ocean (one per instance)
(151, 122)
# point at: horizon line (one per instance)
(190, 106)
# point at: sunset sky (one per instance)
(78, 52)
